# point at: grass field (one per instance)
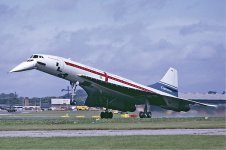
(117, 123)
(117, 142)
(54, 120)
(70, 121)
(54, 114)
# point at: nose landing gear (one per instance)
(107, 114)
(73, 86)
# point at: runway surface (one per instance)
(81, 133)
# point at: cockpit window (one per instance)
(35, 56)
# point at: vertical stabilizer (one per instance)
(170, 78)
(169, 83)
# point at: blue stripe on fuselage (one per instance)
(165, 88)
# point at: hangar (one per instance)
(60, 104)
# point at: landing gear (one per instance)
(73, 86)
(106, 114)
(145, 114)
(149, 115)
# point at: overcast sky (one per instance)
(136, 39)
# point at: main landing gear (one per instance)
(106, 114)
(145, 114)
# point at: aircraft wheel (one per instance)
(149, 115)
(142, 115)
(102, 115)
(106, 115)
(110, 115)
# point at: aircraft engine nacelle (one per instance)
(97, 98)
(116, 105)
(121, 106)
(183, 107)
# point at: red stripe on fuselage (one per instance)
(104, 75)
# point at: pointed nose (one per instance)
(28, 65)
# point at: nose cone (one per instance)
(24, 66)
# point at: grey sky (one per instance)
(136, 39)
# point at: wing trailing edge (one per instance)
(187, 101)
(198, 103)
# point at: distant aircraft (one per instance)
(111, 91)
(10, 108)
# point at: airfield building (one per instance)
(26, 101)
(60, 104)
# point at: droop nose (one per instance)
(28, 65)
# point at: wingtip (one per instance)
(215, 106)
(210, 105)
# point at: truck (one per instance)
(82, 107)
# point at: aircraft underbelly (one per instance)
(103, 94)
(101, 97)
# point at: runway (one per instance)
(85, 133)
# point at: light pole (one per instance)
(67, 90)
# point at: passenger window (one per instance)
(40, 56)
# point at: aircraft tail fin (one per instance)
(169, 83)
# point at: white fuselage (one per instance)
(109, 90)
(71, 71)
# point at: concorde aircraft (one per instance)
(111, 91)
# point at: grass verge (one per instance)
(117, 142)
(118, 123)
